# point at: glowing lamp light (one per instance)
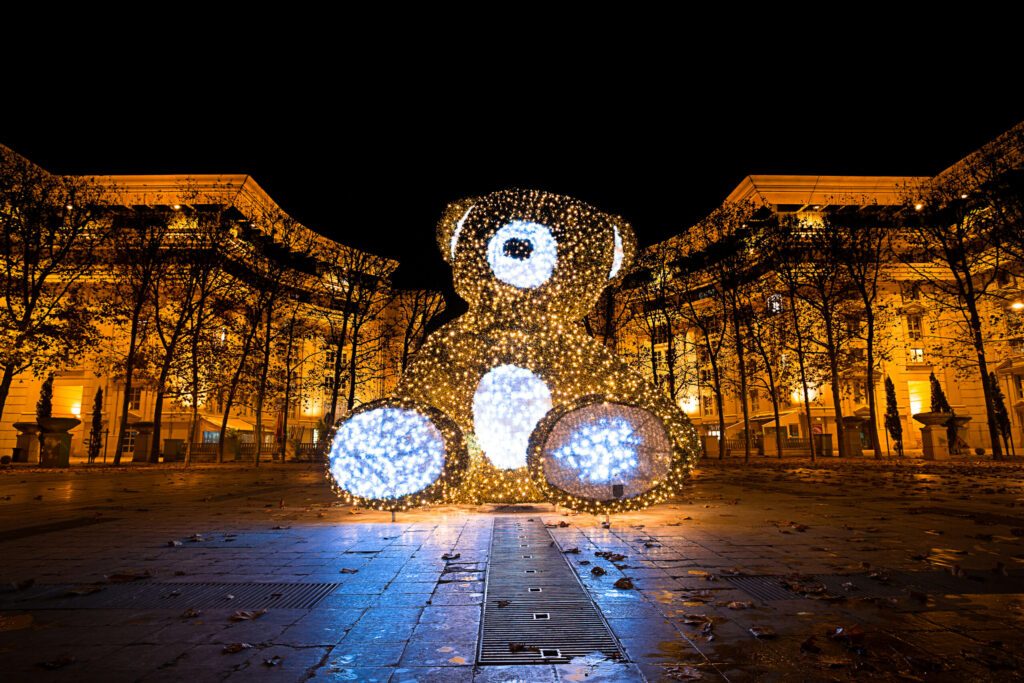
(798, 394)
(522, 254)
(386, 453)
(508, 403)
(1017, 305)
(689, 404)
(918, 206)
(76, 409)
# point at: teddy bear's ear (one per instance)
(625, 249)
(450, 225)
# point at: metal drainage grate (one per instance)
(761, 587)
(546, 616)
(176, 596)
(29, 531)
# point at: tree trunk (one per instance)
(833, 367)
(158, 410)
(261, 390)
(979, 348)
(870, 384)
(741, 362)
(339, 350)
(720, 404)
(287, 387)
(129, 368)
(5, 386)
(352, 366)
(801, 362)
(232, 388)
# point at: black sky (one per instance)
(376, 173)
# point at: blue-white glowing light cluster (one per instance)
(386, 453)
(601, 451)
(508, 403)
(618, 255)
(522, 254)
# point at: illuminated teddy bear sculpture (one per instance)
(520, 374)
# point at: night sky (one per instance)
(377, 176)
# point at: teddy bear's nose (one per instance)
(517, 248)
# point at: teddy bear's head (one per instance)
(518, 251)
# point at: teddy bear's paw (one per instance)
(390, 451)
(604, 451)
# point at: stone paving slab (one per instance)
(402, 613)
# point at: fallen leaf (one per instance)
(457, 660)
(624, 583)
(246, 615)
(572, 551)
(232, 648)
(522, 647)
(503, 603)
(598, 571)
(683, 673)
(58, 663)
(346, 570)
(126, 577)
(190, 613)
(273, 661)
(451, 556)
(762, 632)
(173, 544)
(739, 604)
(83, 590)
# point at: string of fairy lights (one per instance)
(513, 401)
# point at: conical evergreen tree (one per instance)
(44, 407)
(892, 417)
(96, 432)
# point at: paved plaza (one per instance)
(769, 571)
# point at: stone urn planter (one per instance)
(933, 435)
(54, 441)
(27, 444)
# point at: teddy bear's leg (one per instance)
(601, 452)
(395, 453)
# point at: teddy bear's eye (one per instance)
(522, 254)
(517, 248)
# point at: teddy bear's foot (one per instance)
(393, 453)
(601, 452)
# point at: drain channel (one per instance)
(535, 610)
(176, 596)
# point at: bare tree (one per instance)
(50, 230)
(948, 228)
(769, 337)
(416, 308)
(863, 240)
(140, 239)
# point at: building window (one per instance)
(755, 400)
(916, 354)
(661, 334)
(774, 303)
(135, 399)
(708, 404)
(328, 382)
(912, 291)
(914, 330)
(852, 325)
(794, 431)
(128, 445)
(1004, 278)
(211, 437)
(705, 376)
(329, 358)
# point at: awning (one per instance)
(240, 425)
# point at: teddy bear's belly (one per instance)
(508, 403)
